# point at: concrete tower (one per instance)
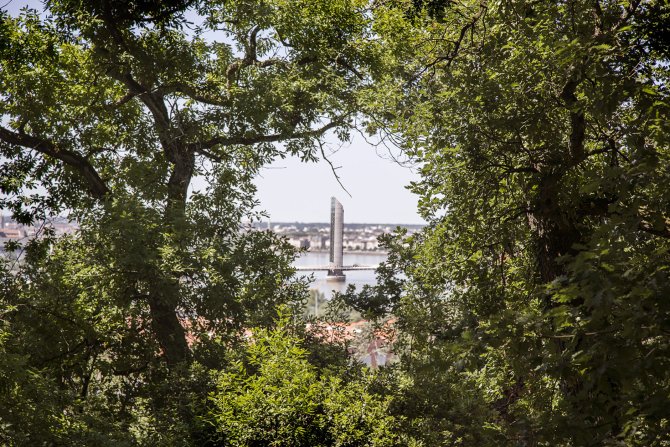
(336, 241)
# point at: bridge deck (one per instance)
(322, 268)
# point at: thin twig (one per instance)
(332, 167)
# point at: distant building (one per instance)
(371, 244)
(317, 242)
(299, 242)
(12, 233)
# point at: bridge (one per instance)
(335, 268)
(326, 268)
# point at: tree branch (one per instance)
(630, 11)
(192, 93)
(255, 139)
(344, 63)
(333, 168)
(123, 100)
(451, 55)
(152, 100)
(96, 185)
(250, 57)
(577, 118)
(600, 207)
(514, 169)
(155, 105)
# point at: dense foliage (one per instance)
(274, 396)
(532, 310)
(110, 113)
(541, 282)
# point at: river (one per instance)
(355, 277)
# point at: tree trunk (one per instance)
(164, 299)
(165, 323)
(555, 231)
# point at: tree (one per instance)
(109, 112)
(104, 103)
(542, 130)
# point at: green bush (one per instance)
(274, 397)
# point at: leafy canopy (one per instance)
(541, 128)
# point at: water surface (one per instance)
(355, 277)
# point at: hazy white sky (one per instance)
(293, 191)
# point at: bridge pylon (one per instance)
(335, 272)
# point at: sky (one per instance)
(292, 191)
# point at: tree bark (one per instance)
(165, 324)
(164, 299)
(555, 232)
